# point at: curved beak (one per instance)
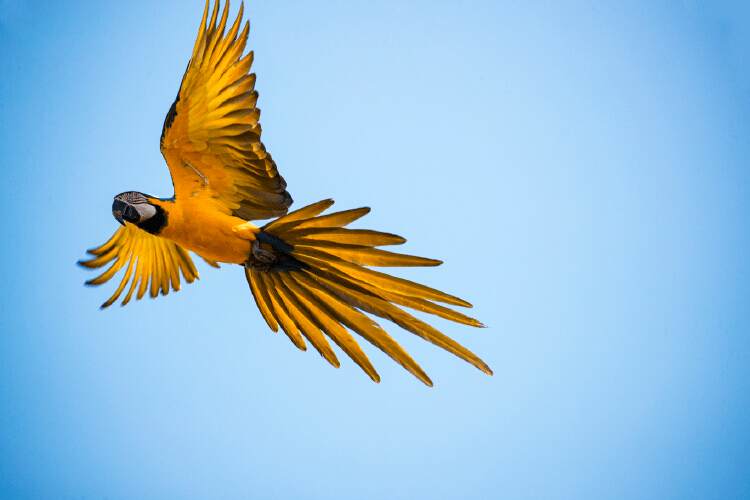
(118, 207)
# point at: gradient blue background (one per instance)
(582, 169)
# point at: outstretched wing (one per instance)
(211, 135)
(330, 289)
(148, 257)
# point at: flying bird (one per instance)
(308, 273)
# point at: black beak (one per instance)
(118, 207)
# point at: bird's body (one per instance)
(195, 225)
(308, 273)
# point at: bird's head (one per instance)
(138, 209)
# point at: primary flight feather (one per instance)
(307, 272)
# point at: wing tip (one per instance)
(334, 361)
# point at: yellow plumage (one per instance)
(307, 272)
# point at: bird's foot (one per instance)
(260, 260)
(262, 255)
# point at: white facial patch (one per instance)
(145, 211)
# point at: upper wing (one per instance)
(158, 260)
(211, 135)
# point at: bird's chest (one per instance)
(208, 233)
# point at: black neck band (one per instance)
(155, 223)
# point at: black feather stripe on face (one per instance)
(155, 223)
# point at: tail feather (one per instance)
(418, 304)
(334, 290)
(320, 313)
(338, 219)
(278, 309)
(365, 327)
(286, 288)
(371, 303)
(262, 299)
(364, 255)
(362, 237)
(426, 306)
(378, 279)
(304, 213)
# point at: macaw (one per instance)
(305, 270)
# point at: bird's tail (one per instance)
(315, 283)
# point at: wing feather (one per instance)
(186, 264)
(211, 135)
(133, 284)
(147, 270)
(149, 259)
(126, 278)
(156, 270)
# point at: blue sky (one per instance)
(580, 167)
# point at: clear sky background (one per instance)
(583, 169)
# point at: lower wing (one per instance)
(148, 258)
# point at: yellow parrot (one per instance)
(306, 271)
